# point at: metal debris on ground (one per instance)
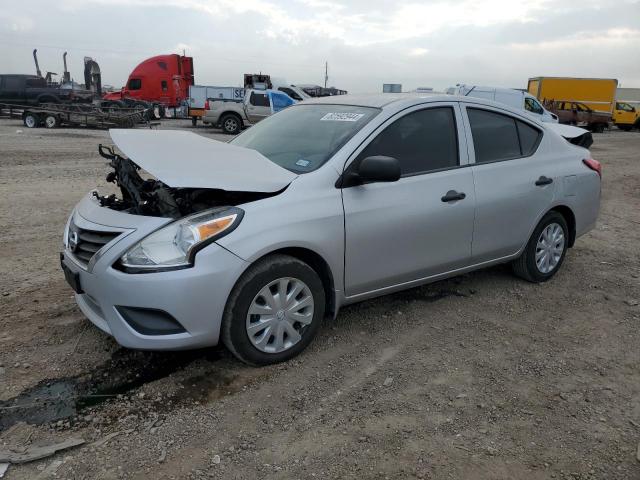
(32, 453)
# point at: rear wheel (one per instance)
(545, 250)
(51, 121)
(274, 311)
(31, 120)
(231, 124)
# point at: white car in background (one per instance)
(522, 100)
(509, 96)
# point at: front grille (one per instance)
(84, 244)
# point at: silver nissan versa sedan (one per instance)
(329, 202)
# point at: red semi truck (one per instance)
(164, 79)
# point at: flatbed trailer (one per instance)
(52, 115)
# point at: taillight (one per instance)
(594, 165)
(206, 105)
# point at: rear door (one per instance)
(514, 186)
(422, 224)
(258, 107)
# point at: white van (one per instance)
(508, 96)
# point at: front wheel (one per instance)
(274, 311)
(545, 251)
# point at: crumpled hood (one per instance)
(186, 160)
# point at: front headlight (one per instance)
(175, 245)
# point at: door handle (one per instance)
(452, 196)
(543, 181)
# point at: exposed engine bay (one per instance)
(152, 197)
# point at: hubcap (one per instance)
(30, 121)
(279, 315)
(549, 248)
(50, 121)
(231, 125)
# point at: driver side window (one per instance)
(422, 141)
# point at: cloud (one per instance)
(583, 39)
(366, 42)
(418, 52)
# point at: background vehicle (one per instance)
(199, 94)
(580, 115)
(593, 98)
(514, 98)
(293, 91)
(318, 91)
(163, 79)
(233, 115)
(34, 90)
(626, 116)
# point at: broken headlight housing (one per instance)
(175, 245)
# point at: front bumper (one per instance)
(195, 297)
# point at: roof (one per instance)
(379, 100)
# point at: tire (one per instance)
(231, 124)
(625, 128)
(31, 120)
(273, 270)
(526, 267)
(51, 121)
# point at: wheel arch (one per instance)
(319, 265)
(231, 112)
(48, 98)
(570, 218)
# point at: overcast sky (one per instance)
(366, 42)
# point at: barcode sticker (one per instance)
(342, 117)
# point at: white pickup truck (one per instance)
(233, 115)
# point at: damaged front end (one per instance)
(153, 197)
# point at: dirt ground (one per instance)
(479, 377)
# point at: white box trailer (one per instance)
(199, 94)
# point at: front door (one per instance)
(422, 224)
(258, 107)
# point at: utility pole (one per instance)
(326, 73)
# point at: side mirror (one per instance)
(373, 169)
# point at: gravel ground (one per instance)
(481, 376)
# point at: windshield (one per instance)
(303, 137)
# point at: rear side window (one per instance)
(259, 99)
(501, 137)
(529, 138)
(422, 141)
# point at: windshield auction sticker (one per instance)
(342, 117)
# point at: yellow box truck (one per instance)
(598, 94)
